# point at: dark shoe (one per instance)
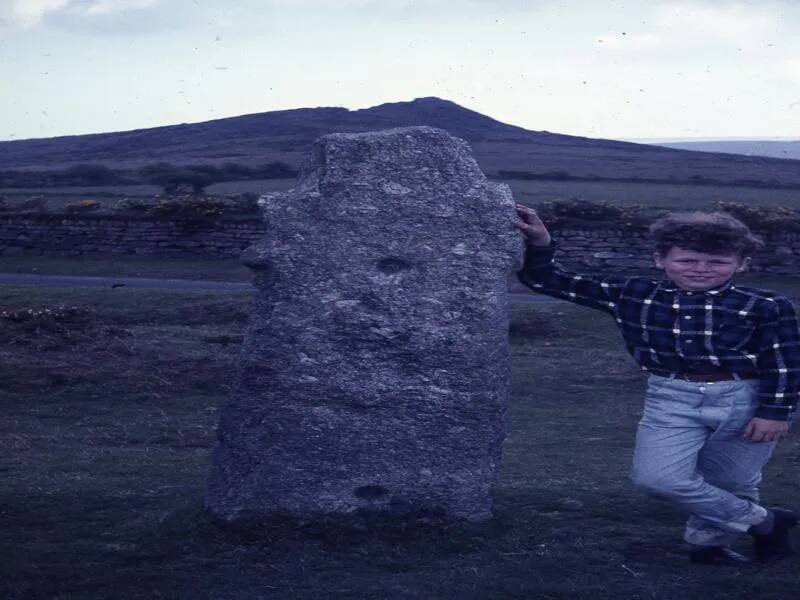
(720, 556)
(775, 544)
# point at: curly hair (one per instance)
(710, 232)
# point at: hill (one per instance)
(775, 149)
(501, 149)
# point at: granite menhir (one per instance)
(374, 372)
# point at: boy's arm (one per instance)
(544, 275)
(778, 364)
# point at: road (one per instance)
(173, 284)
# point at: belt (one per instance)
(716, 376)
(706, 376)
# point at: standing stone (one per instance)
(375, 371)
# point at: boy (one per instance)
(724, 373)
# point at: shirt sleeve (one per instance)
(778, 364)
(544, 275)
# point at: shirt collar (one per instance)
(669, 286)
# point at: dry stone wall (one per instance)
(631, 252)
(70, 235)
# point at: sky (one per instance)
(618, 70)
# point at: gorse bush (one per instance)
(136, 205)
(763, 218)
(559, 213)
(580, 212)
(174, 178)
(82, 206)
(187, 207)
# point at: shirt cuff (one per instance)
(775, 413)
(551, 246)
(537, 257)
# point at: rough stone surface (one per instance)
(375, 371)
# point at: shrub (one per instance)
(177, 179)
(577, 210)
(187, 208)
(91, 175)
(82, 206)
(33, 204)
(235, 171)
(88, 175)
(763, 218)
(276, 170)
(139, 205)
(246, 203)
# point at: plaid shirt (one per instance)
(751, 332)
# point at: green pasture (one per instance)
(124, 265)
(107, 425)
(230, 269)
(113, 197)
(653, 197)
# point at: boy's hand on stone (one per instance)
(765, 430)
(536, 233)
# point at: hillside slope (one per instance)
(287, 135)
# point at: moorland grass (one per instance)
(231, 269)
(654, 198)
(107, 427)
(116, 265)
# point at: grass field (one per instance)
(112, 197)
(653, 197)
(107, 425)
(230, 269)
(224, 269)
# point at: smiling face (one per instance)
(692, 270)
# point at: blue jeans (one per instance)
(690, 450)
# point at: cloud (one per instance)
(27, 14)
(403, 3)
(417, 7)
(635, 42)
(687, 29)
(736, 21)
(107, 7)
(790, 69)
